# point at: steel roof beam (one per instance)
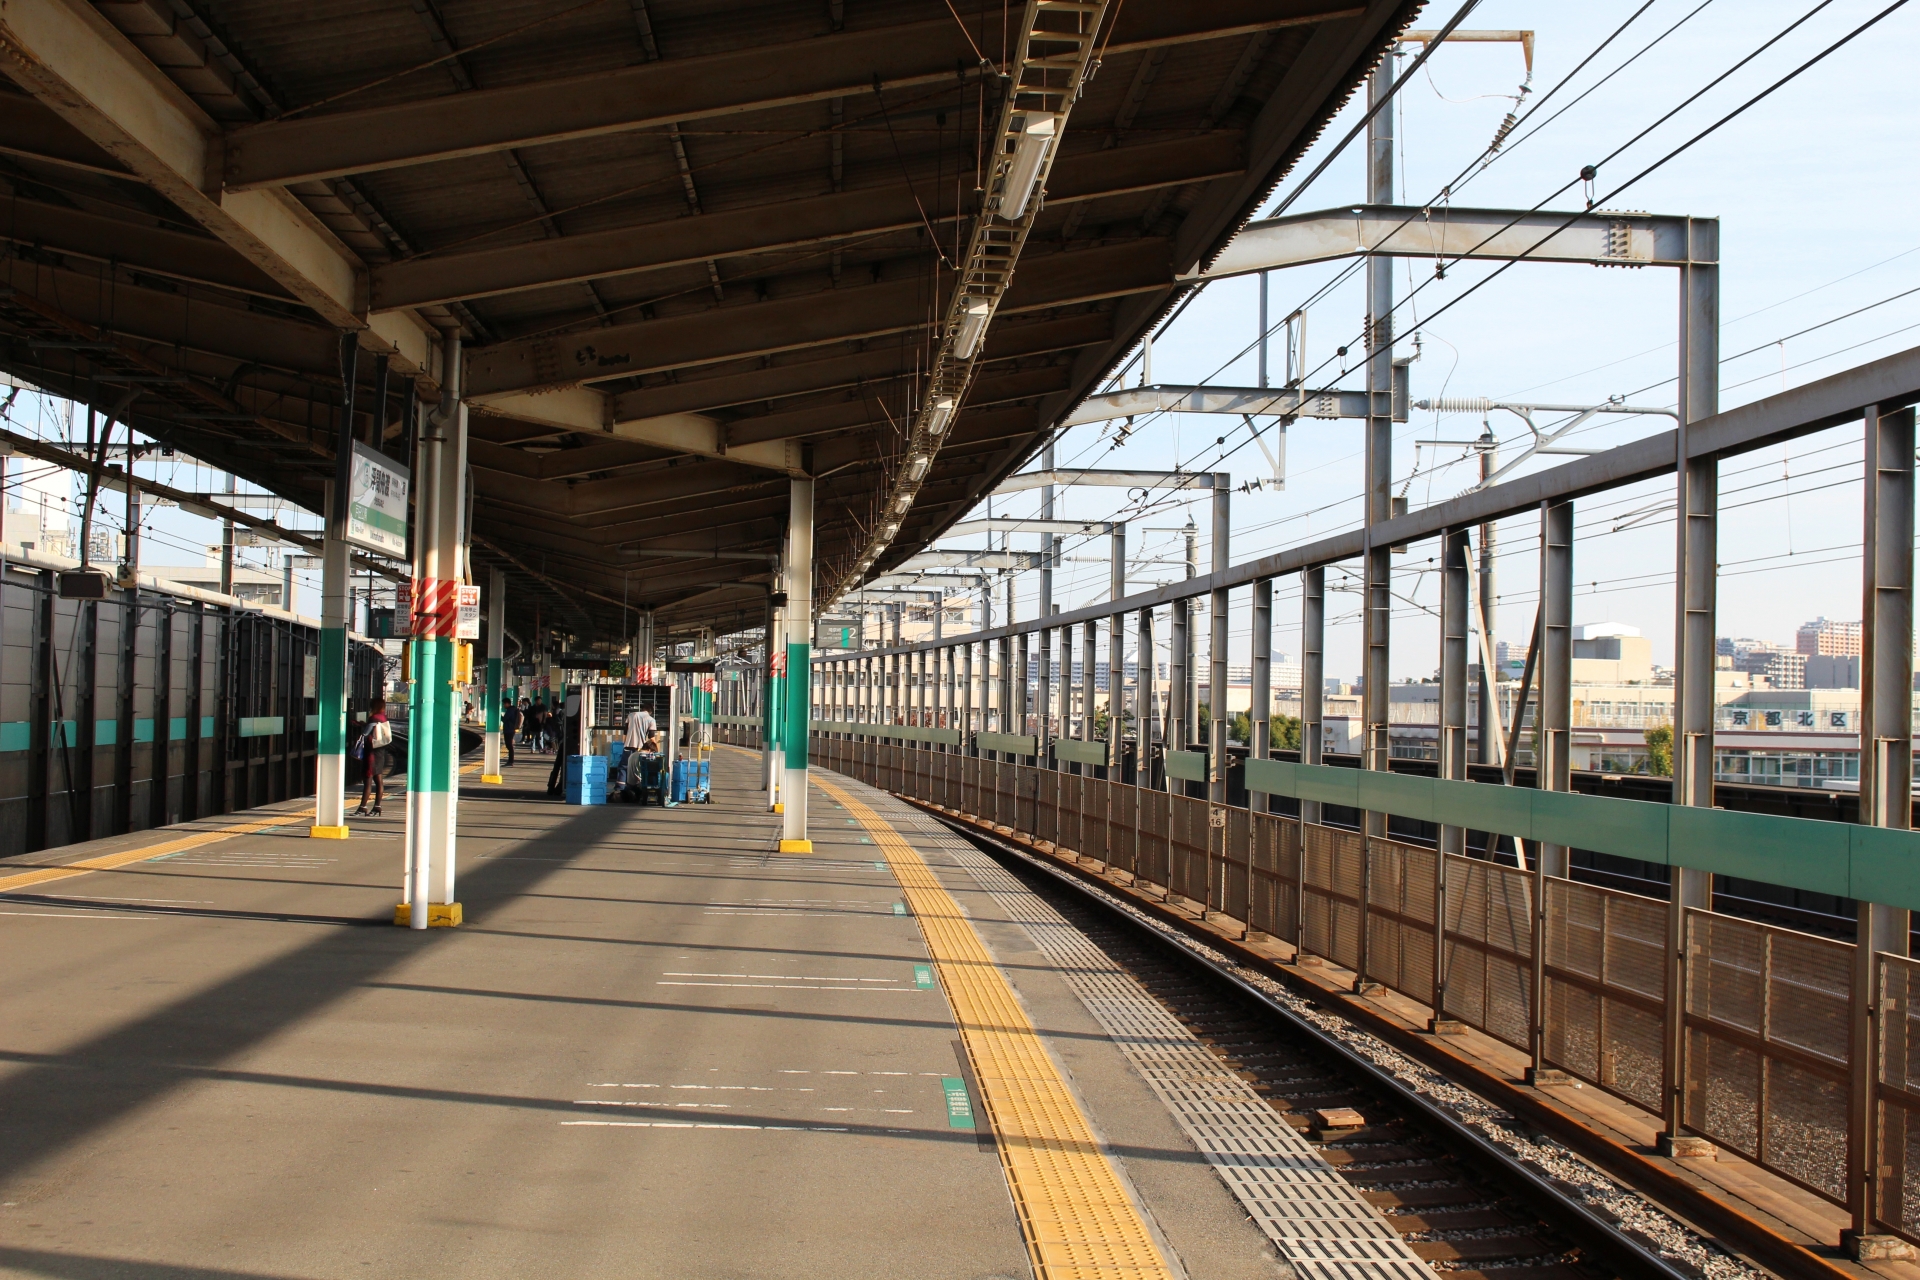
(1279, 402)
(678, 90)
(1020, 524)
(1093, 476)
(69, 57)
(1496, 235)
(949, 558)
(789, 324)
(774, 227)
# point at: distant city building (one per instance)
(1823, 636)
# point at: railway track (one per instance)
(1467, 1205)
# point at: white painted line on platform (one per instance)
(81, 915)
(790, 987)
(798, 977)
(688, 1124)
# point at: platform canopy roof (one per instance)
(692, 247)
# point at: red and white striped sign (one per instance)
(436, 606)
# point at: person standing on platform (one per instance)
(640, 726)
(509, 726)
(372, 747)
(566, 729)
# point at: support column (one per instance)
(1376, 749)
(1553, 762)
(1023, 663)
(1552, 770)
(433, 743)
(1489, 748)
(1217, 645)
(769, 698)
(793, 828)
(1175, 735)
(1697, 492)
(1455, 650)
(496, 659)
(336, 604)
(1043, 701)
(1313, 674)
(1089, 683)
(1117, 655)
(1886, 800)
(1147, 694)
(1260, 695)
(966, 698)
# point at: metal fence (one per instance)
(1765, 1067)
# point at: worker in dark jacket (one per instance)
(509, 726)
(566, 733)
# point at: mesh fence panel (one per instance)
(1897, 1192)
(1768, 1046)
(1606, 987)
(1046, 806)
(1489, 948)
(1150, 852)
(1187, 849)
(1273, 882)
(1400, 897)
(1069, 822)
(1094, 796)
(1235, 859)
(1330, 897)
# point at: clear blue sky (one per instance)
(1809, 186)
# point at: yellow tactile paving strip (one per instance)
(114, 861)
(111, 861)
(1078, 1219)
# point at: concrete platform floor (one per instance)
(657, 1048)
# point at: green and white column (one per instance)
(776, 663)
(336, 607)
(496, 660)
(798, 700)
(703, 690)
(433, 745)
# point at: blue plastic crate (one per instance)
(587, 768)
(691, 781)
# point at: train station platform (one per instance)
(657, 1047)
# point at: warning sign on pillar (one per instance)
(466, 624)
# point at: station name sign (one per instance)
(377, 503)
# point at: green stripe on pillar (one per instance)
(331, 685)
(434, 740)
(776, 712)
(443, 716)
(799, 675)
(493, 695)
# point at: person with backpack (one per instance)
(371, 748)
(509, 726)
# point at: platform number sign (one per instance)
(467, 614)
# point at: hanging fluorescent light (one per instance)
(942, 414)
(1030, 149)
(917, 464)
(972, 327)
(901, 503)
(890, 530)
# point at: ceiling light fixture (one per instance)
(974, 314)
(940, 416)
(1035, 140)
